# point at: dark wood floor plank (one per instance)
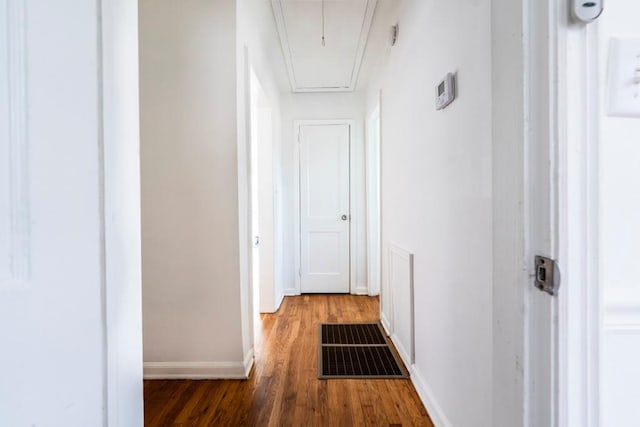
(208, 404)
(283, 388)
(184, 415)
(175, 390)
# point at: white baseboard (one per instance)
(360, 290)
(385, 324)
(291, 292)
(199, 370)
(279, 302)
(404, 354)
(248, 362)
(436, 413)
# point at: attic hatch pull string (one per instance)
(323, 42)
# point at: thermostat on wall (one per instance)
(446, 91)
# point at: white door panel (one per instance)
(324, 208)
(70, 310)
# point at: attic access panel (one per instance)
(333, 67)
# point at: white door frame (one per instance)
(580, 297)
(374, 263)
(296, 198)
(565, 120)
(542, 209)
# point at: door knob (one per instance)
(344, 217)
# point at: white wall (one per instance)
(436, 200)
(510, 276)
(620, 237)
(324, 106)
(74, 207)
(191, 267)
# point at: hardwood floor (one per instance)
(283, 389)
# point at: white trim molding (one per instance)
(386, 324)
(249, 360)
(405, 354)
(579, 303)
(281, 25)
(436, 413)
(621, 309)
(292, 292)
(279, 301)
(373, 200)
(18, 171)
(360, 289)
(199, 370)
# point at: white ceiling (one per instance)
(334, 67)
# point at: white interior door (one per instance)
(70, 309)
(578, 317)
(617, 35)
(255, 188)
(324, 208)
(262, 200)
(563, 329)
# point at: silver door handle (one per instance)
(256, 241)
(344, 217)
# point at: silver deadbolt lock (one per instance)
(344, 217)
(547, 275)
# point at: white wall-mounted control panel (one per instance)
(446, 91)
(623, 89)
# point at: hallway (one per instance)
(283, 388)
(178, 176)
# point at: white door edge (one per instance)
(580, 297)
(571, 77)
(541, 209)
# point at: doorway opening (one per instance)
(261, 184)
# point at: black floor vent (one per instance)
(359, 333)
(358, 350)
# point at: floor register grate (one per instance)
(356, 350)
